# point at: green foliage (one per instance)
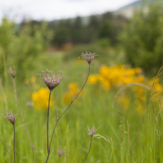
(25, 49)
(61, 36)
(20, 45)
(87, 29)
(143, 39)
(6, 36)
(122, 136)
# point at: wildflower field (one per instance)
(119, 111)
(84, 89)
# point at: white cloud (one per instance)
(52, 9)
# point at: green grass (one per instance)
(125, 136)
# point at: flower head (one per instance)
(50, 79)
(12, 73)
(60, 152)
(89, 57)
(11, 117)
(91, 132)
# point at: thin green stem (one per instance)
(14, 145)
(48, 122)
(89, 149)
(22, 117)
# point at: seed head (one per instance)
(29, 104)
(60, 152)
(89, 57)
(91, 132)
(12, 73)
(50, 79)
(11, 117)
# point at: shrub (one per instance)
(143, 39)
(19, 46)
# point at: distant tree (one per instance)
(61, 36)
(77, 31)
(94, 21)
(106, 30)
(62, 33)
(107, 16)
(143, 39)
(93, 28)
(88, 29)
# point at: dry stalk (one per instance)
(91, 133)
(13, 74)
(89, 149)
(66, 109)
(122, 89)
(12, 119)
(14, 144)
(51, 81)
(48, 122)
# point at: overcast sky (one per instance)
(55, 9)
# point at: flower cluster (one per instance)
(40, 99)
(50, 79)
(11, 117)
(88, 56)
(116, 77)
(12, 73)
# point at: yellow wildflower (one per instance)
(105, 84)
(138, 70)
(93, 79)
(40, 99)
(72, 91)
(104, 71)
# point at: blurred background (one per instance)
(127, 37)
(123, 31)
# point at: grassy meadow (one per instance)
(110, 114)
(123, 135)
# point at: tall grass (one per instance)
(122, 136)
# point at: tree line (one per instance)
(84, 30)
